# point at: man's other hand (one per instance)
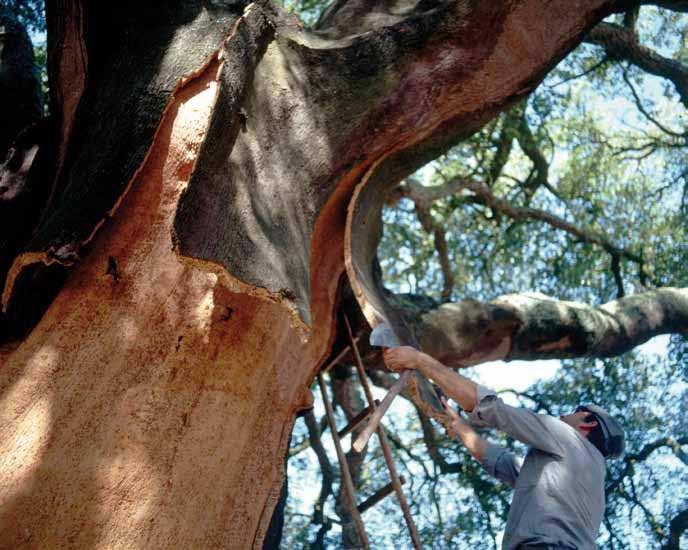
(451, 412)
(458, 424)
(462, 430)
(401, 358)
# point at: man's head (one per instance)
(601, 429)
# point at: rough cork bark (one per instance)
(203, 161)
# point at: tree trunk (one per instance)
(152, 406)
(206, 157)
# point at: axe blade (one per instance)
(383, 336)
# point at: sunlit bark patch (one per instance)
(158, 399)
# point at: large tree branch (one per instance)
(622, 43)
(520, 29)
(534, 326)
(402, 89)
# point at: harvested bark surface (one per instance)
(142, 399)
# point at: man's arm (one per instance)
(543, 432)
(497, 461)
(461, 430)
(459, 388)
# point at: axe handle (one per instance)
(376, 417)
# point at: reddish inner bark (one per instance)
(157, 399)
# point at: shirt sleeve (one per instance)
(502, 464)
(540, 431)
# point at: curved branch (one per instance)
(524, 49)
(529, 145)
(528, 213)
(622, 43)
(632, 458)
(535, 326)
(427, 195)
(503, 147)
(440, 241)
(643, 111)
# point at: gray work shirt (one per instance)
(558, 488)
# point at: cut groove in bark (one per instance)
(224, 187)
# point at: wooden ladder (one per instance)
(347, 483)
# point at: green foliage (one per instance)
(30, 13)
(308, 11)
(613, 143)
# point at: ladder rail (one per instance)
(344, 467)
(384, 444)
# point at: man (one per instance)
(559, 488)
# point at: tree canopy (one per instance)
(579, 192)
(30, 13)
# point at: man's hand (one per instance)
(458, 387)
(401, 358)
(458, 424)
(451, 412)
(460, 429)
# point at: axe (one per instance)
(383, 336)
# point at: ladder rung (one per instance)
(384, 444)
(378, 495)
(338, 357)
(356, 421)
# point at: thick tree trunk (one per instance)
(151, 405)
(207, 156)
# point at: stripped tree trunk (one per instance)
(202, 161)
